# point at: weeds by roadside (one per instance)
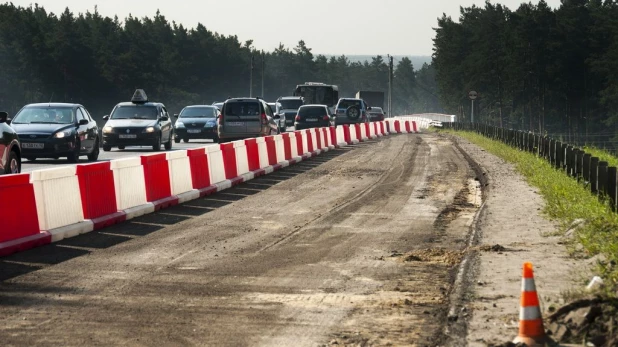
(567, 202)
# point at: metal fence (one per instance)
(596, 175)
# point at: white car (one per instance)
(435, 123)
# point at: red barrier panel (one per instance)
(299, 143)
(253, 154)
(333, 135)
(19, 214)
(229, 160)
(376, 131)
(198, 160)
(388, 127)
(310, 148)
(367, 130)
(407, 123)
(397, 127)
(318, 138)
(96, 187)
(157, 177)
(272, 150)
(414, 126)
(287, 146)
(325, 137)
(346, 134)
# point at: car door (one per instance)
(81, 130)
(92, 130)
(166, 125)
(4, 142)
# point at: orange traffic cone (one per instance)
(531, 330)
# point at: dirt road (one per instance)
(359, 245)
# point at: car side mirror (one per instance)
(277, 116)
(176, 115)
(83, 122)
(106, 117)
(164, 118)
(368, 108)
(4, 117)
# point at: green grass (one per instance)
(566, 202)
(602, 155)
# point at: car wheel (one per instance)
(14, 164)
(107, 148)
(157, 146)
(353, 112)
(74, 156)
(185, 140)
(120, 147)
(95, 152)
(168, 144)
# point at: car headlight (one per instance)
(108, 129)
(149, 130)
(179, 124)
(62, 134)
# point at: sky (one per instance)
(350, 27)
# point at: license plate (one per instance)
(33, 145)
(236, 124)
(129, 136)
(194, 131)
(311, 119)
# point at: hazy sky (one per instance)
(397, 27)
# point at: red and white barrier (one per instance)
(98, 195)
(217, 169)
(130, 186)
(294, 138)
(181, 176)
(200, 172)
(342, 135)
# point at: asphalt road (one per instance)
(115, 153)
(354, 247)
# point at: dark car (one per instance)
(376, 114)
(218, 105)
(138, 123)
(196, 122)
(244, 118)
(10, 150)
(288, 107)
(55, 130)
(313, 116)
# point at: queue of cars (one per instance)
(55, 130)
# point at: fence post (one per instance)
(586, 167)
(602, 178)
(611, 186)
(570, 168)
(577, 153)
(594, 175)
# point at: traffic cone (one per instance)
(531, 330)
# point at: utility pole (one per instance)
(389, 101)
(263, 57)
(251, 78)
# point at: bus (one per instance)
(318, 93)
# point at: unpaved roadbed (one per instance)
(358, 245)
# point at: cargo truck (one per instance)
(372, 98)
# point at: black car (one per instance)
(138, 123)
(196, 122)
(10, 150)
(313, 116)
(55, 130)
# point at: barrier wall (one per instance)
(66, 201)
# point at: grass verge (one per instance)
(567, 202)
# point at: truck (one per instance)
(372, 98)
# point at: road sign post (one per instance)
(472, 95)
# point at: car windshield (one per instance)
(347, 103)
(134, 112)
(312, 111)
(45, 115)
(242, 108)
(198, 112)
(290, 104)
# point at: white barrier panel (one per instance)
(372, 130)
(314, 138)
(129, 182)
(280, 148)
(242, 161)
(262, 151)
(215, 164)
(180, 172)
(293, 144)
(353, 135)
(57, 196)
(340, 135)
(327, 139)
(363, 132)
(303, 136)
(322, 141)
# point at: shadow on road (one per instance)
(38, 258)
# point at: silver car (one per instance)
(244, 118)
(351, 111)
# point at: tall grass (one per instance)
(567, 201)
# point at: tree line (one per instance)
(99, 61)
(536, 68)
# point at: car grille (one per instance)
(26, 137)
(128, 130)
